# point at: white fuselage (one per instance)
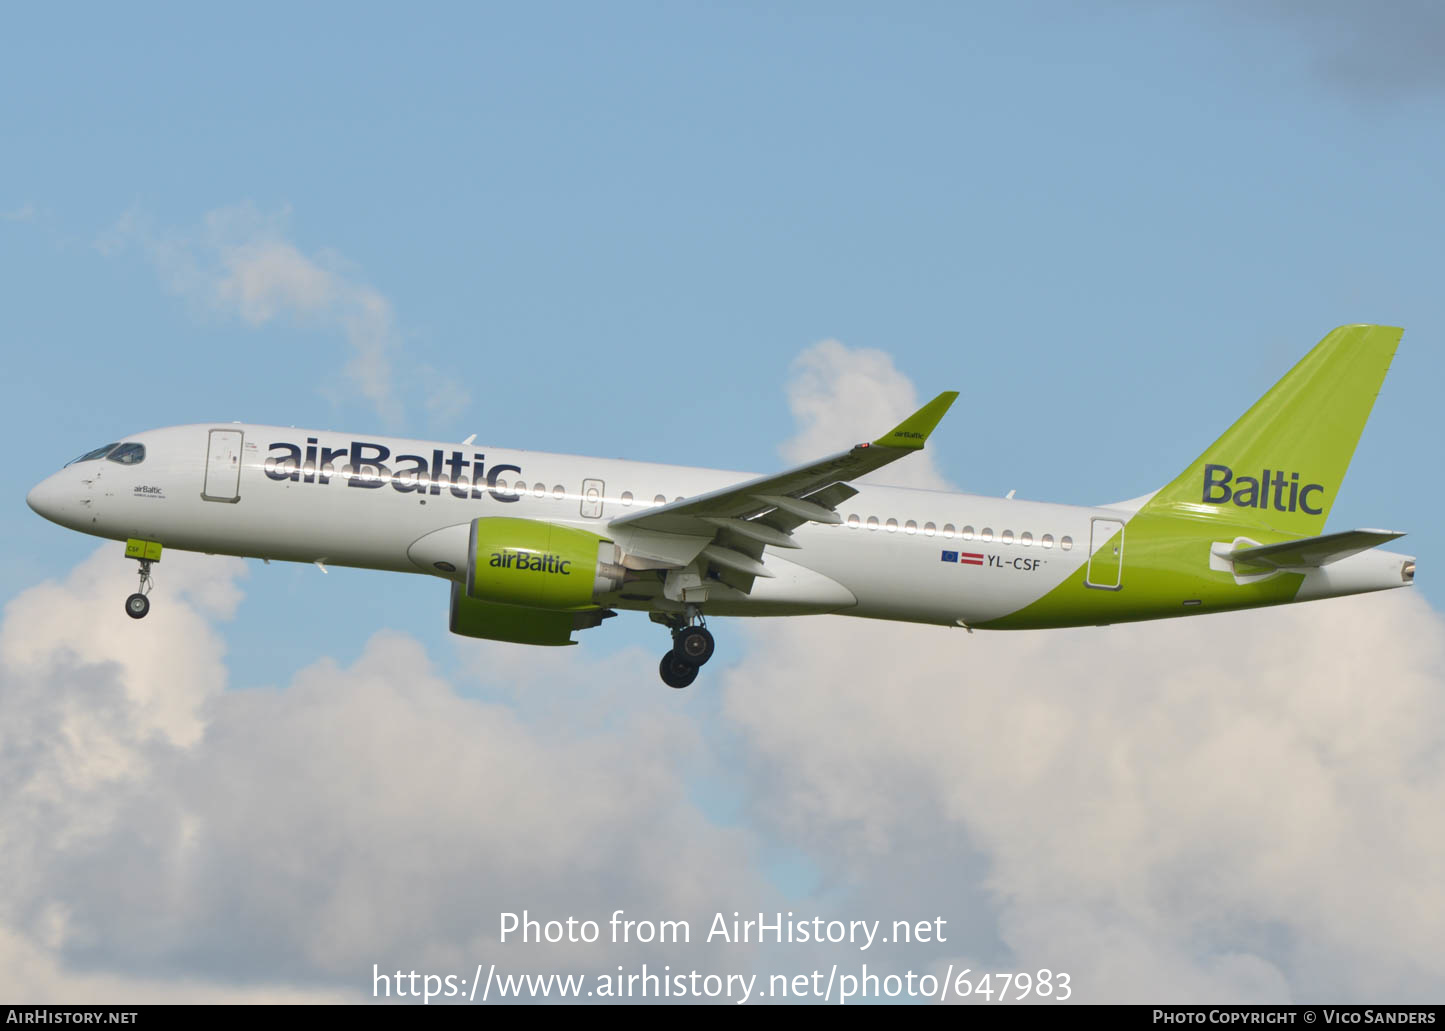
(282, 493)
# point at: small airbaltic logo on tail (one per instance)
(1222, 487)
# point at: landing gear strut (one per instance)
(692, 646)
(144, 552)
(138, 604)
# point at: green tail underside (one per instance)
(1271, 477)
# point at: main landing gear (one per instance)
(144, 552)
(692, 646)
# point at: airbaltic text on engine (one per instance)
(532, 561)
(366, 468)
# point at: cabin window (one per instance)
(1026, 539)
(1047, 540)
(627, 497)
(539, 490)
(872, 522)
(559, 492)
(128, 454)
(968, 533)
(89, 456)
(659, 500)
(1066, 543)
(910, 527)
(853, 520)
(929, 529)
(948, 529)
(986, 534)
(1007, 536)
(892, 525)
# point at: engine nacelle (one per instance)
(540, 565)
(497, 622)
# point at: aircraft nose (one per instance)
(47, 498)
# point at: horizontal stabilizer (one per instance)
(1311, 551)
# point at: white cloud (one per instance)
(35, 974)
(241, 263)
(841, 395)
(1239, 806)
(24, 213)
(162, 835)
(1231, 808)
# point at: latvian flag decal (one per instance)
(966, 558)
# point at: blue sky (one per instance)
(612, 228)
(1126, 218)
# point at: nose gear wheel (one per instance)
(138, 605)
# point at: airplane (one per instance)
(537, 546)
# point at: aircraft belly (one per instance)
(935, 580)
(794, 590)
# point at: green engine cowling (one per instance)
(497, 622)
(540, 565)
(533, 583)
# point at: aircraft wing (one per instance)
(735, 523)
(1312, 551)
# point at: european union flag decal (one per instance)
(950, 556)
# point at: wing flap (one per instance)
(753, 529)
(736, 560)
(805, 509)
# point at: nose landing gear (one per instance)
(145, 552)
(692, 646)
(137, 605)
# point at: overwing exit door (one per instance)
(592, 499)
(223, 467)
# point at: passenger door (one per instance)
(223, 467)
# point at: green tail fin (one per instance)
(1281, 465)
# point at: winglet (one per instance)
(914, 430)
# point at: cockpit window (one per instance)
(128, 454)
(99, 452)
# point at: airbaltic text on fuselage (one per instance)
(1222, 487)
(365, 466)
